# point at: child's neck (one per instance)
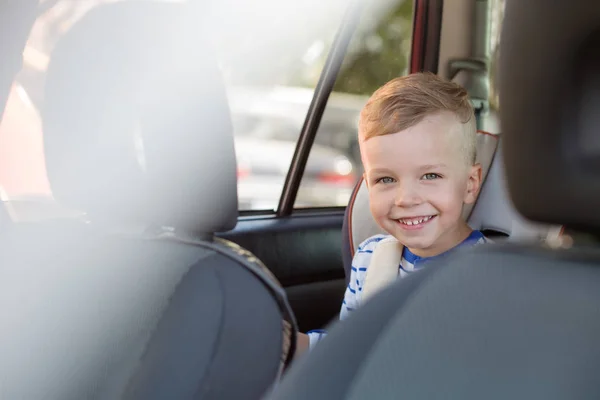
(448, 241)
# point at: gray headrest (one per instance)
(136, 121)
(492, 211)
(550, 97)
(495, 212)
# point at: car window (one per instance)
(379, 51)
(271, 78)
(269, 60)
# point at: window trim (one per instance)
(427, 30)
(332, 67)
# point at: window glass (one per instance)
(379, 51)
(271, 53)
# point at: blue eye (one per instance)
(430, 176)
(385, 180)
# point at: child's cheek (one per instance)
(374, 203)
(441, 194)
(380, 203)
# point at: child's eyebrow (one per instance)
(433, 166)
(380, 171)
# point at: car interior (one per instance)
(492, 213)
(152, 316)
(512, 320)
(131, 272)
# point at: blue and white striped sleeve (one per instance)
(358, 271)
(352, 296)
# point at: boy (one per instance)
(417, 139)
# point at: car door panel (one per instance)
(316, 304)
(303, 252)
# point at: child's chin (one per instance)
(415, 243)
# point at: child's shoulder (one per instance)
(477, 237)
(368, 245)
(362, 255)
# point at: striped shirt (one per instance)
(362, 257)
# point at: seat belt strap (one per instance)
(383, 267)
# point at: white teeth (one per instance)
(411, 222)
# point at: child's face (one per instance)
(418, 181)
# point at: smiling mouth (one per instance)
(415, 221)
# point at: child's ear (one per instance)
(473, 184)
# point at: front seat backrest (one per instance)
(138, 301)
(5, 216)
(492, 213)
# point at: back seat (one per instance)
(493, 213)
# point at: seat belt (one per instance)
(472, 72)
(473, 76)
(383, 267)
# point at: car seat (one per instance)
(503, 320)
(493, 213)
(138, 300)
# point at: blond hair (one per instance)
(404, 102)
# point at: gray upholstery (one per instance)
(120, 307)
(132, 110)
(130, 318)
(552, 105)
(495, 212)
(498, 321)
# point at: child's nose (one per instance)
(407, 196)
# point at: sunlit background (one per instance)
(271, 53)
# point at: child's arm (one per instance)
(352, 296)
(302, 344)
(307, 341)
